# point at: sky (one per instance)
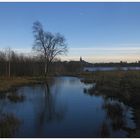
(98, 32)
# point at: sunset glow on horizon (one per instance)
(98, 32)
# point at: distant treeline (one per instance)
(19, 65)
(118, 64)
(14, 64)
(22, 65)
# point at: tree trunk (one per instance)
(45, 70)
(9, 69)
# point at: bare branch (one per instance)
(48, 44)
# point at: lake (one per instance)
(61, 108)
(109, 68)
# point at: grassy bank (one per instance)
(124, 85)
(120, 85)
(7, 84)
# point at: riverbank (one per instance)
(124, 85)
(53, 104)
(7, 84)
(120, 85)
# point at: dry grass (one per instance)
(7, 84)
(120, 85)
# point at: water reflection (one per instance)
(90, 91)
(117, 114)
(49, 112)
(2, 95)
(60, 108)
(14, 96)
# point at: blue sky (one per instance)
(99, 32)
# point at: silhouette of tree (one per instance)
(48, 45)
(8, 52)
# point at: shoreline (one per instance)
(102, 78)
(9, 84)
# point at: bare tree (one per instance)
(8, 53)
(48, 45)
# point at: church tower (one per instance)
(81, 64)
(81, 59)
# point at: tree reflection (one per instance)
(49, 111)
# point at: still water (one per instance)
(110, 68)
(60, 108)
